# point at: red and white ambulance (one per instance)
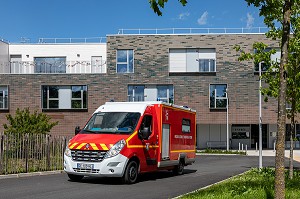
(123, 139)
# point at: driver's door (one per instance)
(149, 142)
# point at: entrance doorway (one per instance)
(255, 136)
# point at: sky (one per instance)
(34, 19)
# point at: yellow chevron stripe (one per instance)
(131, 136)
(81, 145)
(93, 145)
(73, 145)
(104, 147)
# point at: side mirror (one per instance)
(144, 133)
(77, 130)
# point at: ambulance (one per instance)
(124, 139)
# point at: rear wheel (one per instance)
(178, 170)
(75, 177)
(131, 173)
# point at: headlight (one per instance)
(68, 152)
(115, 150)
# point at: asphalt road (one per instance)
(207, 170)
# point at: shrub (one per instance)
(25, 122)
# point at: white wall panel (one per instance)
(85, 51)
(64, 96)
(4, 57)
(78, 55)
(177, 59)
(209, 53)
(202, 135)
(192, 61)
(215, 132)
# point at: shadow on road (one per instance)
(153, 176)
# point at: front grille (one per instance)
(86, 170)
(87, 156)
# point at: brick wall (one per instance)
(151, 58)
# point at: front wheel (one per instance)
(75, 178)
(131, 173)
(178, 170)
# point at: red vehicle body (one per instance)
(123, 139)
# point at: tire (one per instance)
(178, 170)
(131, 173)
(75, 178)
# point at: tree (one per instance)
(156, 5)
(24, 122)
(273, 11)
(262, 55)
(279, 12)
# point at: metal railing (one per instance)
(72, 40)
(23, 153)
(252, 30)
(31, 67)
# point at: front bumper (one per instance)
(110, 167)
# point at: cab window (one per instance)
(146, 127)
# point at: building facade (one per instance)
(201, 71)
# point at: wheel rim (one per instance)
(180, 167)
(132, 172)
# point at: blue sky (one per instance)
(35, 19)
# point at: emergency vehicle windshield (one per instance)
(112, 123)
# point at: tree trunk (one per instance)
(291, 165)
(292, 135)
(280, 142)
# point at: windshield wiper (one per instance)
(89, 131)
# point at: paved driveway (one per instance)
(207, 170)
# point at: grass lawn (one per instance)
(253, 184)
(217, 151)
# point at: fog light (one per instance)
(113, 164)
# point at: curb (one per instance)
(21, 175)
(202, 188)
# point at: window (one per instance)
(125, 61)
(289, 130)
(112, 123)
(136, 93)
(274, 58)
(78, 97)
(186, 125)
(50, 64)
(218, 96)
(97, 64)
(163, 93)
(3, 97)
(146, 126)
(192, 60)
(64, 97)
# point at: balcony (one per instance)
(70, 67)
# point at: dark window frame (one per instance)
(186, 122)
(222, 100)
(45, 98)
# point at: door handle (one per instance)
(147, 146)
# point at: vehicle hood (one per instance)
(95, 141)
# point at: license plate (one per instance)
(85, 166)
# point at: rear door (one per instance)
(165, 142)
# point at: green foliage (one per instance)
(252, 184)
(156, 5)
(26, 122)
(216, 151)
